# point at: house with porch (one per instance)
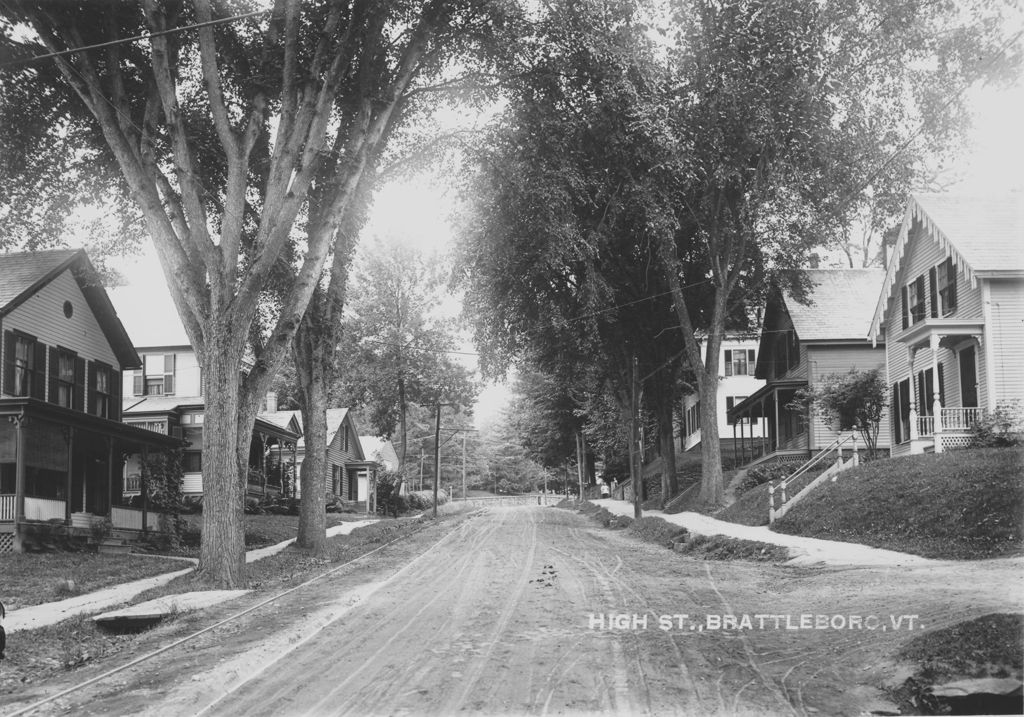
(802, 343)
(164, 394)
(737, 381)
(63, 447)
(951, 315)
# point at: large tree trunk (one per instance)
(666, 430)
(712, 488)
(314, 353)
(222, 551)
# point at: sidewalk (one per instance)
(805, 551)
(30, 618)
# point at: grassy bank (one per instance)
(956, 505)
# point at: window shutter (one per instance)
(8, 377)
(54, 372)
(933, 289)
(906, 306)
(942, 387)
(169, 374)
(728, 362)
(38, 373)
(894, 414)
(115, 395)
(90, 403)
(951, 283)
(751, 360)
(78, 395)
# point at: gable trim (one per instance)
(914, 212)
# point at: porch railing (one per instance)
(43, 509)
(925, 426)
(131, 519)
(960, 419)
(7, 507)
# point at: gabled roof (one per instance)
(292, 420)
(984, 235)
(335, 419)
(22, 274)
(839, 304)
(379, 449)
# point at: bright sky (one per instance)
(420, 211)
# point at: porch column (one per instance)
(295, 469)
(936, 397)
(734, 438)
(110, 476)
(743, 442)
(913, 398)
(764, 429)
(143, 488)
(263, 462)
(775, 395)
(19, 479)
(69, 437)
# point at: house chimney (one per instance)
(271, 401)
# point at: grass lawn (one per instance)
(956, 505)
(35, 578)
(261, 530)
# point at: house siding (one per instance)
(823, 361)
(1006, 314)
(338, 456)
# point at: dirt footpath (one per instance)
(538, 610)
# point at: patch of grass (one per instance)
(720, 547)
(260, 530)
(956, 505)
(989, 646)
(751, 508)
(35, 578)
(656, 530)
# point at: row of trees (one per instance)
(656, 171)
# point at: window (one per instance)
(102, 396)
(192, 462)
(900, 407)
(24, 379)
(67, 378)
(730, 402)
(915, 307)
(947, 288)
(156, 377)
(345, 438)
(739, 362)
(691, 419)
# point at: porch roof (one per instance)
(751, 405)
(33, 407)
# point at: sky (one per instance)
(419, 210)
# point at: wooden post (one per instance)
(936, 397)
(143, 470)
(110, 477)
(19, 480)
(635, 439)
(437, 454)
(69, 436)
(464, 466)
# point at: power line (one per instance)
(135, 38)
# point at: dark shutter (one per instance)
(951, 283)
(115, 395)
(38, 374)
(728, 362)
(897, 424)
(78, 395)
(906, 306)
(169, 374)
(751, 361)
(933, 290)
(90, 404)
(8, 376)
(942, 387)
(54, 374)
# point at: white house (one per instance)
(951, 313)
(737, 382)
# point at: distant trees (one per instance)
(399, 347)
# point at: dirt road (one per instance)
(540, 611)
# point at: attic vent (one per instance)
(69, 309)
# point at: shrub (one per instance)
(424, 499)
(766, 472)
(720, 547)
(1000, 428)
(253, 506)
(387, 498)
(656, 530)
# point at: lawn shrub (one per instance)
(999, 428)
(767, 472)
(721, 547)
(424, 499)
(651, 529)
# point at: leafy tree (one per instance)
(233, 141)
(399, 350)
(854, 401)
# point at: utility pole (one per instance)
(634, 439)
(437, 455)
(579, 462)
(463, 466)
(421, 467)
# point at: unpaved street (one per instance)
(504, 616)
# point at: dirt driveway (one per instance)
(537, 610)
